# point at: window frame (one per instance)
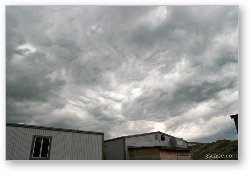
(32, 147)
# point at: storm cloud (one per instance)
(124, 69)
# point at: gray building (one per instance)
(154, 145)
(28, 142)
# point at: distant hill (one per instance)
(219, 150)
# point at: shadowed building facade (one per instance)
(147, 146)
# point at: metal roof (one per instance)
(136, 135)
(52, 129)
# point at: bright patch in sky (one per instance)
(27, 48)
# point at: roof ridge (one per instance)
(52, 128)
(136, 135)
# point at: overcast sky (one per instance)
(124, 70)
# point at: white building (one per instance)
(28, 142)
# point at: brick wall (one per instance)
(158, 154)
(174, 155)
(144, 154)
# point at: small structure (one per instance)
(235, 117)
(147, 146)
(29, 142)
(192, 144)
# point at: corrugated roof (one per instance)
(52, 129)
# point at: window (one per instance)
(173, 142)
(162, 137)
(40, 148)
(156, 137)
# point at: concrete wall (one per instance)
(64, 145)
(114, 149)
(150, 141)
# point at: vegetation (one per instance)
(219, 150)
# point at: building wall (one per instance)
(64, 145)
(114, 150)
(174, 155)
(144, 154)
(155, 153)
(149, 141)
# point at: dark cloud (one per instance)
(124, 70)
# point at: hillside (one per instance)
(219, 150)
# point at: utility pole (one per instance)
(235, 117)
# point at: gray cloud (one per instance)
(124, 70)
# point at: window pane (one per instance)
(162, 137)
(45, 147)
(37, 147)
